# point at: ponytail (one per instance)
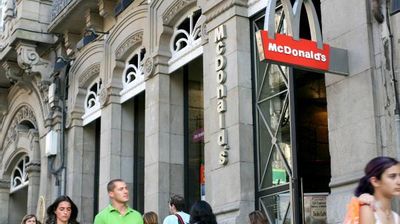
(374, 168)
(364, 186)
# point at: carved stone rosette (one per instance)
(104, 96)
(148, 67)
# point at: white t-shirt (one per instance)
(172, 219)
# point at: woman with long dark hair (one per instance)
(62, 211)
(201, 213)
(376, 190)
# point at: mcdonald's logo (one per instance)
(291, 49)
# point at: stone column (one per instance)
(163, 151)
(4, 198)
(228, 113)
(75, 170)
(33, 170)
(115, 162)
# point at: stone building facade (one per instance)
(170, 95)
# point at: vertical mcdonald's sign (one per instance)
(290, 49)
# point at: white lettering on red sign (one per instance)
(297, 53)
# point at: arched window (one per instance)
(92, 102)
(133, 76)
(19, 176)
(186, 40)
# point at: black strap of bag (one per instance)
(180, 220)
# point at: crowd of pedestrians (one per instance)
(64, 211)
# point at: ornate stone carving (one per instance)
(13, 71)
(93, 70)
(148, 66)
(104, 96)
(174, 9)
(33, 167)
(25, 113)
(128, 43)
(30, 61)
(203, 30)
(44, 89)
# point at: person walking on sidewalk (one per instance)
(176, 206)
(118, 212)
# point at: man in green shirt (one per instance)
(118, 212)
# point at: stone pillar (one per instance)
(359, 105)
(228, 109)
(75, 173)
(163, 154)
(4, 198)
(33, 169)
(115, 162)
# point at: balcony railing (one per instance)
(58, 6)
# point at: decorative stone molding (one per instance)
(13, 71)
(222, 7)
(148, 67)
(32, 167)
(203, 30)
(30, 61)
(44, 89)
(4, 184)
(25, 113)
(104, 96)
(175, 9)
(90, 72)
(3, 104)
(128, 43)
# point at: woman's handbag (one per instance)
(353, 212)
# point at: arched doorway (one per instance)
(21, 166)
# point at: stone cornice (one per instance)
(222, 7)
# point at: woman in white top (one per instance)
(377, 189)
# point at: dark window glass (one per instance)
(395, 6)
(194, 131)
(138, 188)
